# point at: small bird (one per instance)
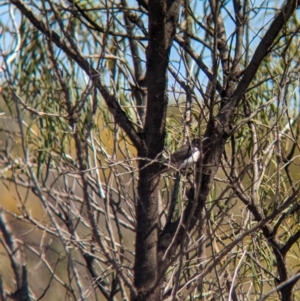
(185, 157)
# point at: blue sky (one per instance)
(260, 15)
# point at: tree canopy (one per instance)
(95, 98)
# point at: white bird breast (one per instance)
(187, 163)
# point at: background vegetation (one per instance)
(94, 94)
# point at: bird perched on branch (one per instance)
(185, 157)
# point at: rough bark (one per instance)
(163, 18)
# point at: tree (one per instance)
(87, 96)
